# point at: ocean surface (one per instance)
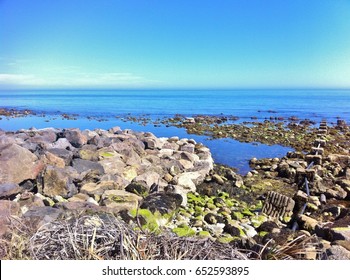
(110, 108)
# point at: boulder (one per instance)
(337, 252)
(75, 137)
(148, 178)
(8, 190)
(38, 216)
(164, 203)
(61, 143)
(52, 159)
(18, 164)
(58, 181)
(64, 154)
(7, 209)
(120, 200)
(82, 165)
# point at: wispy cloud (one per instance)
(72, 79)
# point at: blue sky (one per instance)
(174, 44)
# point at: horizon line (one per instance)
(176, 89)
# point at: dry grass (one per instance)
(15, 245)
(108, 238)
(302, 247)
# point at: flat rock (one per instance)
(120, 200)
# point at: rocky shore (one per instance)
(170, 185)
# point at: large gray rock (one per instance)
(82, 165)
(66, 155)
(38, 216)
(337, 252)
(18, 164)
(8, 190)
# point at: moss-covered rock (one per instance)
(184, 230)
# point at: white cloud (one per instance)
(74, 80)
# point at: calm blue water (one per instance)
(311, 104)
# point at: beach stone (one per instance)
(152, 143)
(335, 192)
(337, 252)
(38, 216)
(164, 203)
(98, 188)
(130, 157)
(340, 233)
(137, 188)
(82, 165)
(115, 130)
(79, 197)
(188, 148)
(6, 140)
(112, 165)
(218, 179)
(120, 200)
(64, 154)
(307, 223)
(89, 152)
(58, 181)
(7, 209)
(342, 160)
(148, 178)
(18, 164)
(75, 137)
(61, 143)
(8, 190)
(52, 159)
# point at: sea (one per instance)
(108, 108)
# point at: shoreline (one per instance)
(204, 200)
